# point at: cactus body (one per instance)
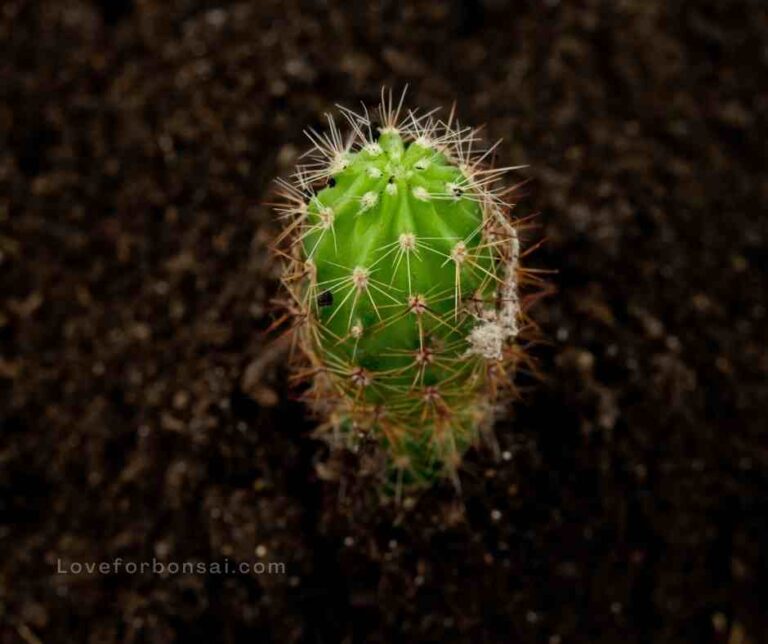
(403, 272)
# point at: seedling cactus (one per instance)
(402, 271)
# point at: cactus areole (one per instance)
(402, 268)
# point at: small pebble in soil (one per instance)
(719, 622)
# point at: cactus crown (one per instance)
(402, 271)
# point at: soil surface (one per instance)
(145, 416)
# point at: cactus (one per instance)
(401, 273)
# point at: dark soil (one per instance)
(144, 417)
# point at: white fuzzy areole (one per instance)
(486, 340)
(488, 337)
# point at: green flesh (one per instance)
(370, 238)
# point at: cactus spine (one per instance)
(402, 268)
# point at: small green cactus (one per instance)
(402, 270)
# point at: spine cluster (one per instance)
(402, 268)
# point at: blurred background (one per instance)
(144, 415)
